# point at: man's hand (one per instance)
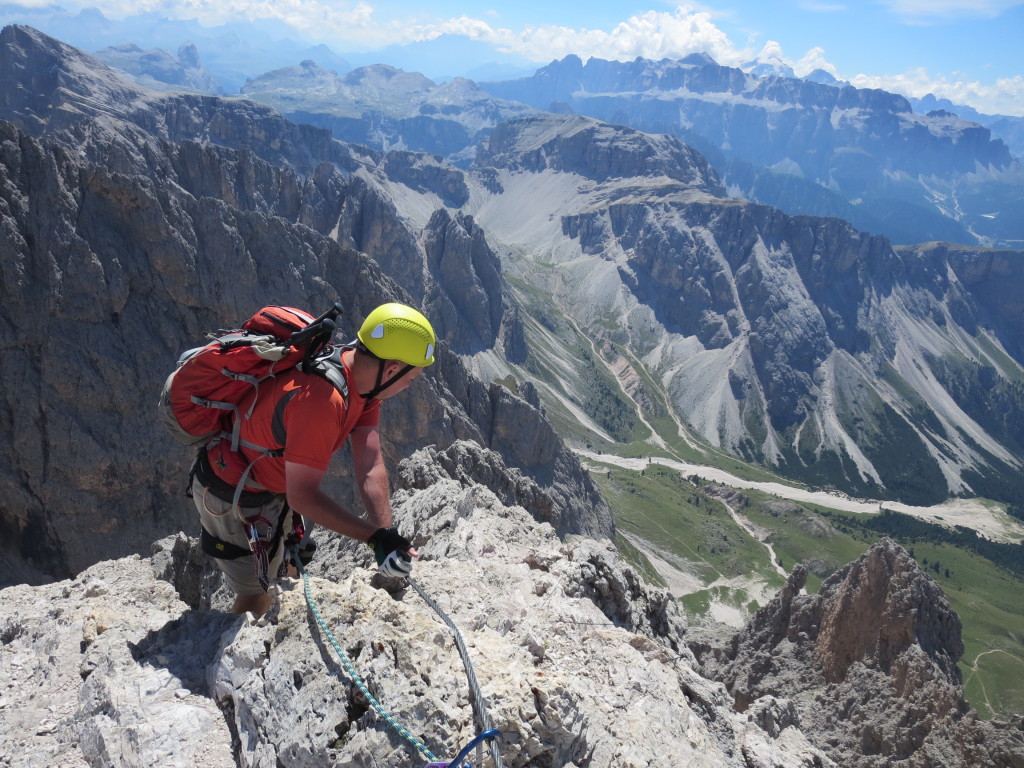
(393, 552)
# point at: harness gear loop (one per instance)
(259, 544)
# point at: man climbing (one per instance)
(310, 418)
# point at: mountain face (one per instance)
(793, 341)
(160, 70)
(125, 238)
(902, 174)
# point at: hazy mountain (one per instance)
(447, 57)
(1009, 129)
(160, 70)
(912, 177)
(231, 52)
(386, 108)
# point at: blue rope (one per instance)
(347, 663)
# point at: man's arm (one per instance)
(371, 475)
(306, 498)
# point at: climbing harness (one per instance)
(490, 734)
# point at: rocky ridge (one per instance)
(580, 663)
(869, 666)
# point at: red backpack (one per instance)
(200, 398)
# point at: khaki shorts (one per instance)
(217, 518)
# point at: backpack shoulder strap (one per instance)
(328, 367)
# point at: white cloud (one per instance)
(653, 35)
(812, 60)
(1003, 97)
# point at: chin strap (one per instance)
(379, 387)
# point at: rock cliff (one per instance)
(869, 667)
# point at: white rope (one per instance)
(483, 719)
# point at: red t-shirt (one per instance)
(316, 420)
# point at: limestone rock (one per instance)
(106, 670)
(868, 666)
(112, 669)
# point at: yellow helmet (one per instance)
(399, 332)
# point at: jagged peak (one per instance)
(702, 59)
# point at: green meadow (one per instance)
(677, 521)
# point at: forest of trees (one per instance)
(907, 530)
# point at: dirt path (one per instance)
(988, 520)
(974, 672)
(758, 534)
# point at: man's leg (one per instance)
(257, 605)
(217, 517)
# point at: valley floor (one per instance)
(986, 518)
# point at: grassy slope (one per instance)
(680, 519)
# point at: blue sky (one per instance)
(969, 51)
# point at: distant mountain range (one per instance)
(807, 147)
(913, 170)
(236, 51)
